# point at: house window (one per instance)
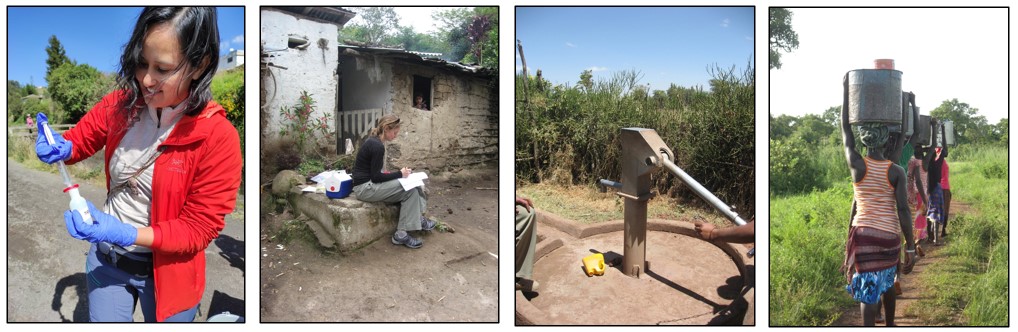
(297, 42)
(421, 98)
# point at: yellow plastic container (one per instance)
(594, 265)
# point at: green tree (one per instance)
(411, 40)
(55, 55)
(782, 126)
(782, 37)
(482, 32)
(1002, 129)
(969, 126)
(586, 80)
(78, 87)
(832, 116)
(452, 30)
(812, 129)
(380, 23)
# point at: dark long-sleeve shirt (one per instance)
(368, 166)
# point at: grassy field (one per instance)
(807, 238)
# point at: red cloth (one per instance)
(194, 181)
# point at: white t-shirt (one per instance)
(136, 149)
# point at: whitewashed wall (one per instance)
(312, 69)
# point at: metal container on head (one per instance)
(949, 131)
(924, 130)
(874, 95)
(907, 114)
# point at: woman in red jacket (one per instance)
(173, 167)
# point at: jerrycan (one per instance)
(594, 265)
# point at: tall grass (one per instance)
(807, 241)
(570, 135)
(808, 233)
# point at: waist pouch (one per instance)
(137, 264)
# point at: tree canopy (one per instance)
(782, 37)
(55, 55)
(462, 34)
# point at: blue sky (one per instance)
(92, 35)
(666, 44)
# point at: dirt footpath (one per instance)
(453, 278)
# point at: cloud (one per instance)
(239, 40)
(597, 69)
(570, 44)
(224, 46)
(725, 22)
(749, 38)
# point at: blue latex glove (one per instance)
(104, 228)
(50, 153)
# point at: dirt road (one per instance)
(453, 278)
(45, 265)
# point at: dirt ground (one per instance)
(452, 278)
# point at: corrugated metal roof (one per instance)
(334, 15)
(416, 57)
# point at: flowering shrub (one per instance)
(299, 123)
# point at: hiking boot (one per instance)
(427, 224)
(408, 241)
(526, 285)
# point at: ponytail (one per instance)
(385, 123)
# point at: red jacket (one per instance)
(194, 186)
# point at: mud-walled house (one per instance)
(459, 125)
(356, 85)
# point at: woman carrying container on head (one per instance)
(917, 196)
(935, 165)
(371, 184)
(173, 167)
(880, 217)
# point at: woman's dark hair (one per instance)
(198, 36)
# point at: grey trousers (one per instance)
(412, 203)
(526, 241)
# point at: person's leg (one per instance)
(411, 201)
(947, 210)
(110, 298)
(146, 297)
(869, 313)
(526, 241)
(889, 302)
(410, 208)
(183, 316)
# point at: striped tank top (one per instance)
(876, 206)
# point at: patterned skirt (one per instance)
(873, 256)
(936, 210)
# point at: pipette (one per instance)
(77, 202)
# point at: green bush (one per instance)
(228, 90)
(571, 134)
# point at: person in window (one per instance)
(420, 104)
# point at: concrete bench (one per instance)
(347, 224)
